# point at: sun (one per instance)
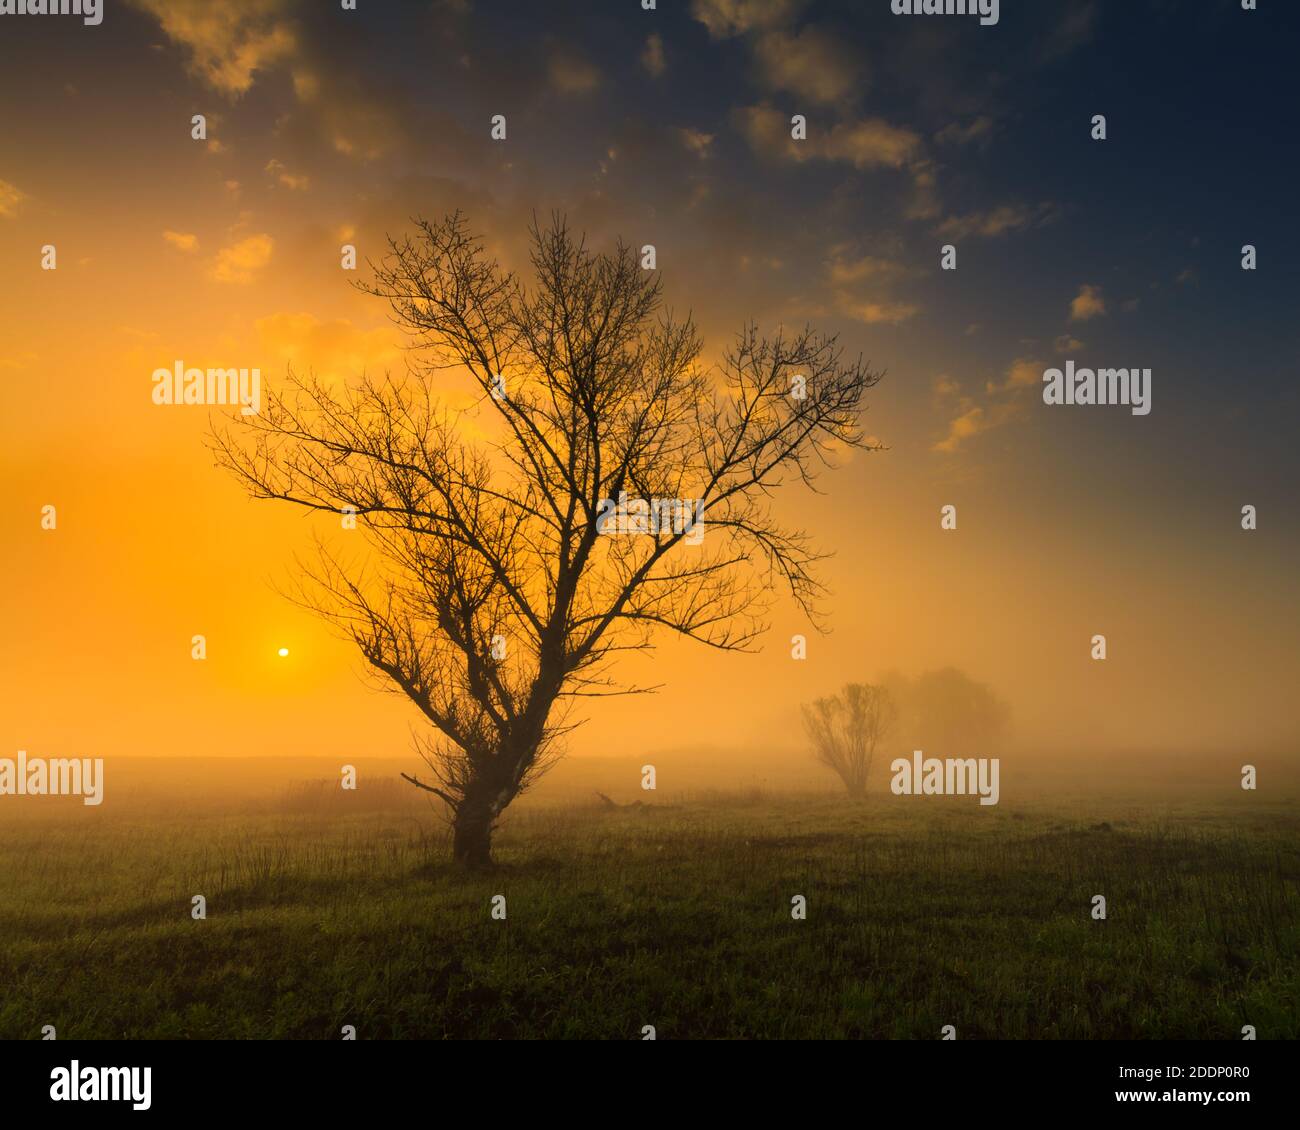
(282, 652)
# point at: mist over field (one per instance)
(1135, 780)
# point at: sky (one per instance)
(671, 127)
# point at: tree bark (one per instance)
(476, 818)
(471, 845)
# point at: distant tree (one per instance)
(947, 713)
(846, 728)
(499, 592)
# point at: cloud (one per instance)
(861, 269)
(286, 178)
(866, 143)
(652, 57)
(942, 389)
(335, 348)
(1068, 343)
(182, 241)
(570, 73)
(349, 118)
(725, 18)
(10, 198)
(998, 221)
(240, 261)
(1004, 401)
(978, 129)
(1087, 304)
(813, 64)
(228, 43)
(768, 132)
(876, 313)
(971, 422)
(696, 141)
(924, 204)
(861, 286)
(871, 142)
(1022, 374)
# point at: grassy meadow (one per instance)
(329, 908)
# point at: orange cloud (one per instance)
(863, 268)
(10, 198)
(978, 129)
(1022, 374)
(228, 43)
(652, 58)
(570, 73)
(240, 261)
(812, 64)
(182, 241)
(1088, 303)
(996, 222)
(696, 141)
(336, 347)
(861, 287)
(866, 143)
(283, 176)
(969, 423)
(725, 18)
(876, 313)
(1004, 402)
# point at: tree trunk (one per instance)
(471, 844)
(482, 802)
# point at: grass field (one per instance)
(327, 909)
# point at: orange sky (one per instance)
(1068, 525)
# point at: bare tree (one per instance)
(498, 588)
(846, 728)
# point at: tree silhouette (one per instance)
(503, 579)
(846, 728)
(948, 713)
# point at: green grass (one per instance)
(920, 914)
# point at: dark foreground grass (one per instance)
(677, 917)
